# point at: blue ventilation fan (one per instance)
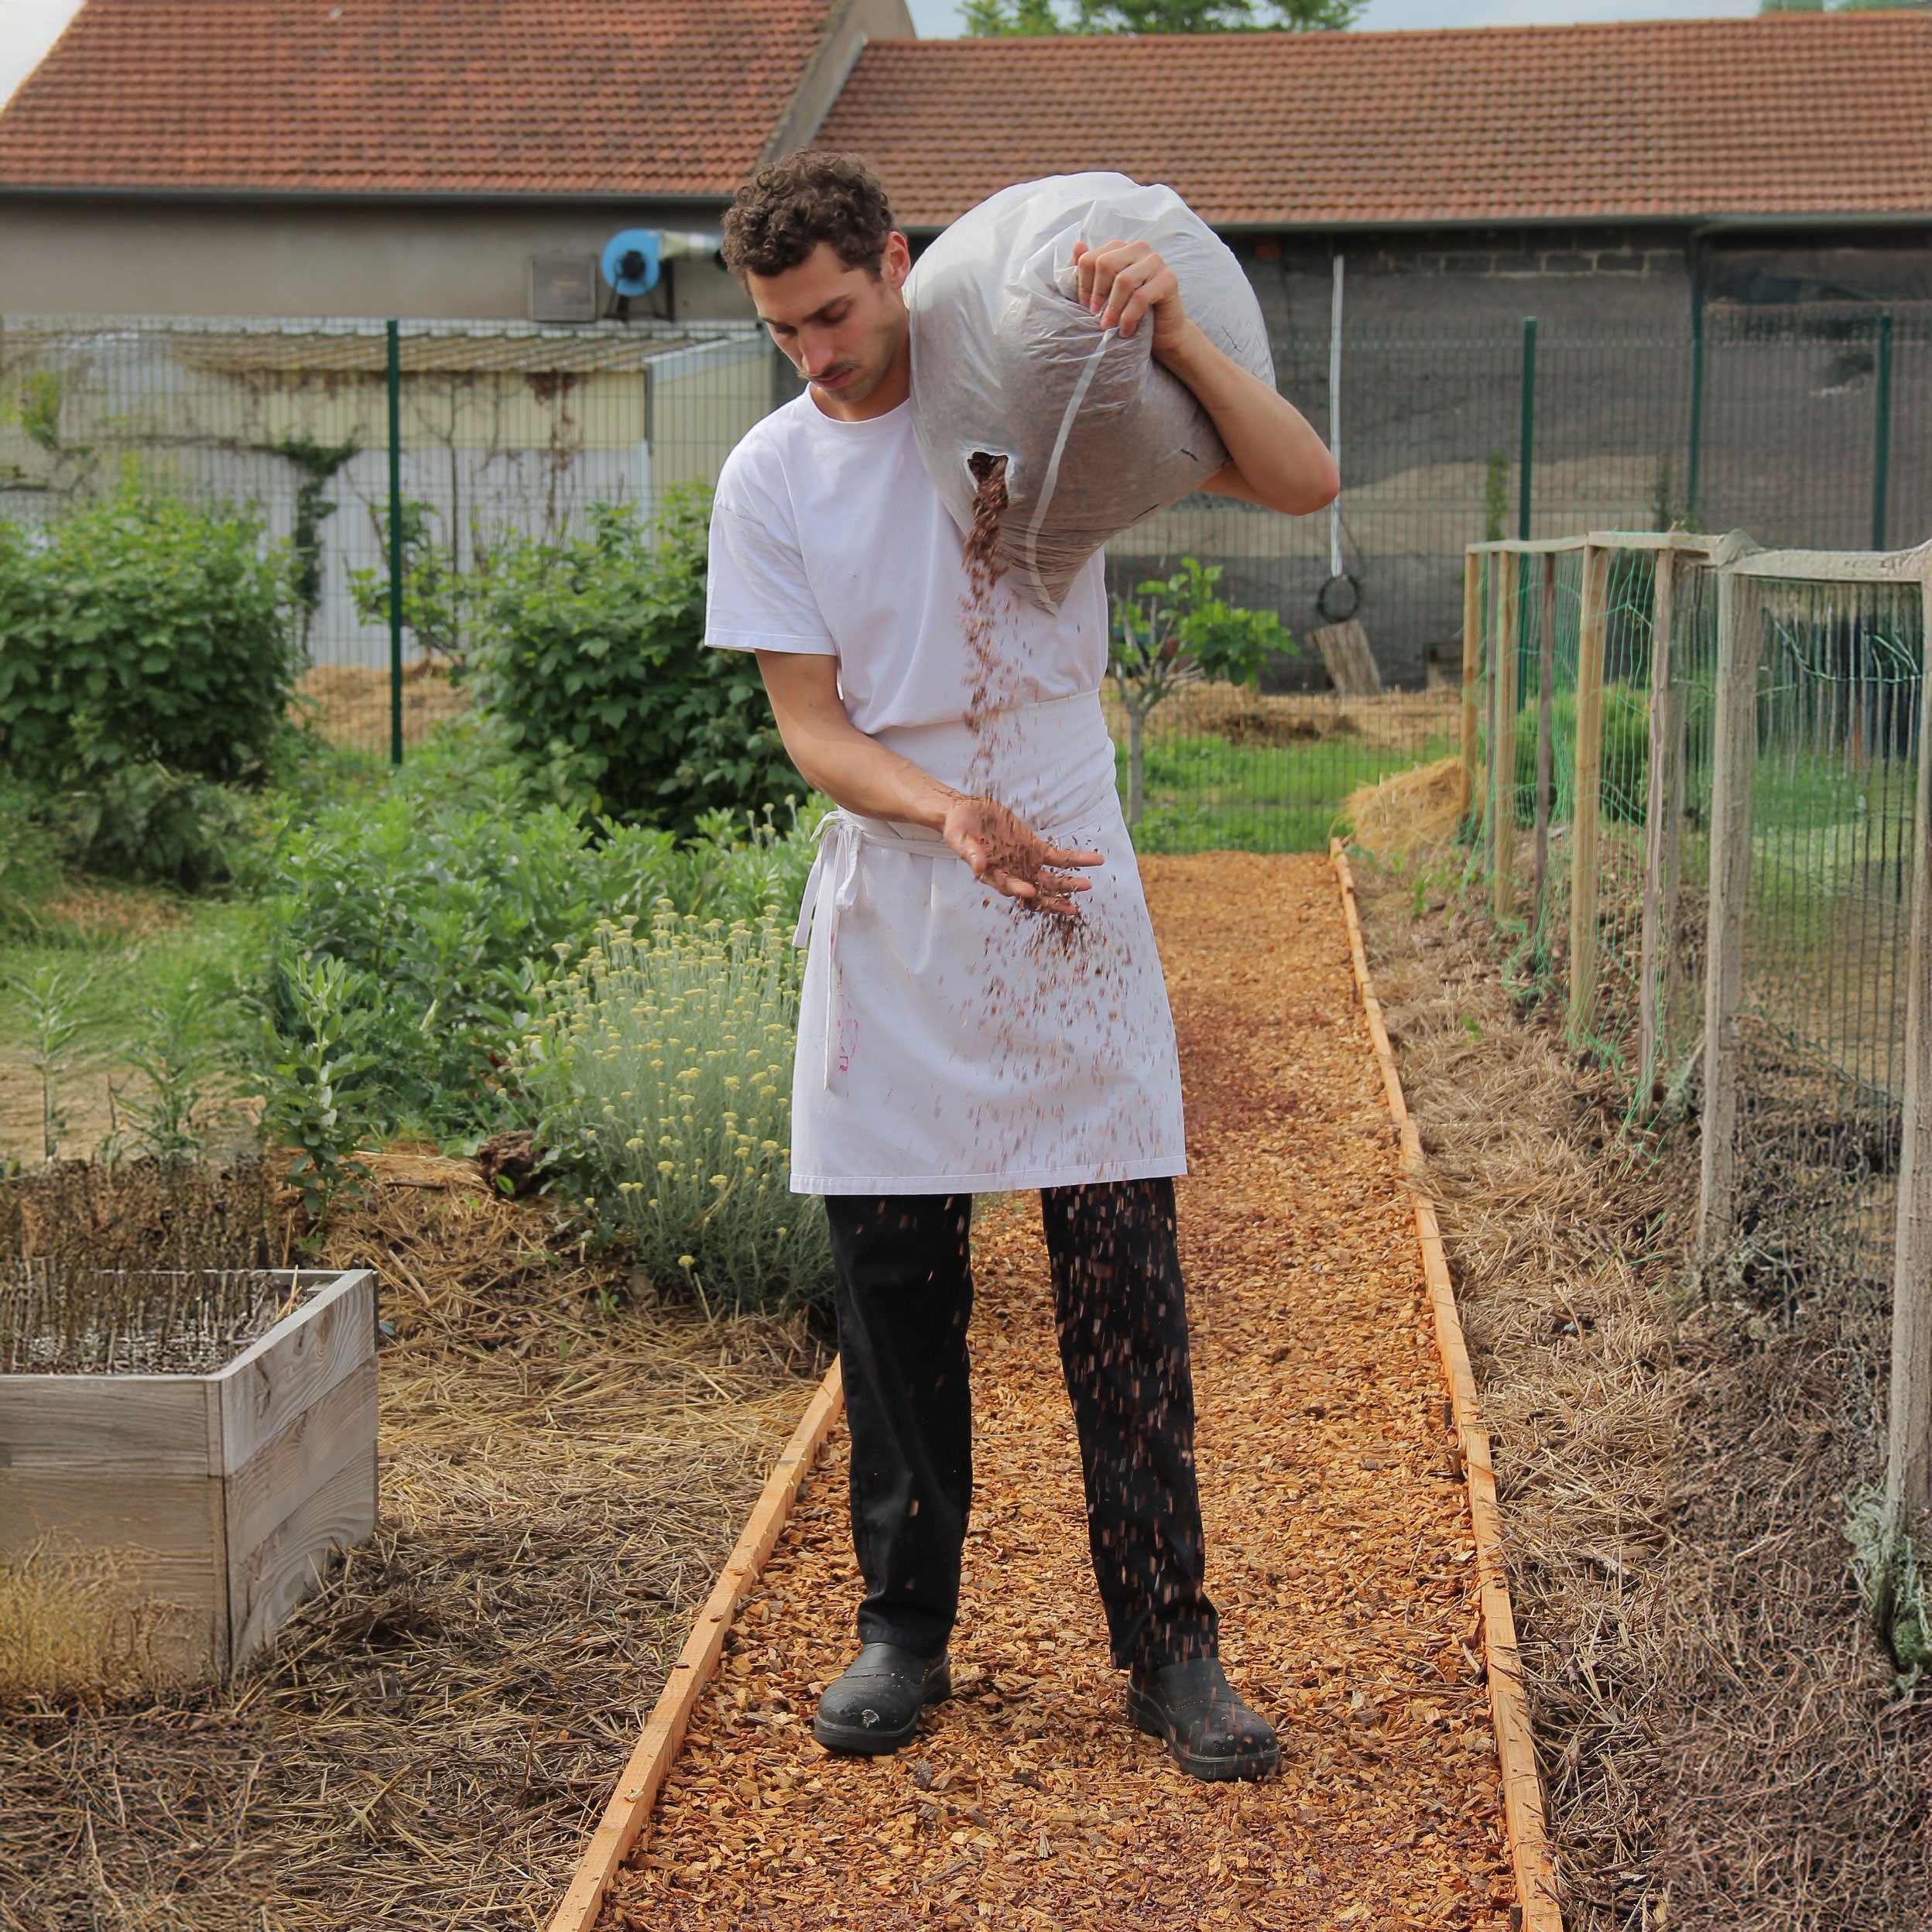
(630, 261)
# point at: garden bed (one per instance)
(210, 1433)
(563, 1463)
(1723, 1740)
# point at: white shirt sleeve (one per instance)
(757, 595)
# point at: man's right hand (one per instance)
(1012, 858)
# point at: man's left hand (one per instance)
(1120, 282)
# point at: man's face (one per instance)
(842, 328)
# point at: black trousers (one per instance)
(903, 1283)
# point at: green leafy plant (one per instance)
(437, 597)
(29, 860)
(145, 822)
(447, 893)
(1625, 767)
(659, 1067)
(1885, 1566)
(315, 1101)
(1495, 497)
(37, 409)
(176, 1050)
(1176, 631)
(56, 1012)
(590, 654)
(142, 630)
(315, 464)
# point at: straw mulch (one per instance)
(1401, 721)
(434, 1733)
(1413, 816)
(1722, 1740)
(349, 703)
(1339, 1551)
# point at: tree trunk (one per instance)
(1137, 737)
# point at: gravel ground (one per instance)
(1339, 1550)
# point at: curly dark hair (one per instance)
(787, 207)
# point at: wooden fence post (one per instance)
(1585, 809)
(1659, 823)
(1908, 1468)
(1502, 754)
(1472, 569)
(1545, 747)
(1734, 753)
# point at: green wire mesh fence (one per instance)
(1699, 824)
(1802, 425)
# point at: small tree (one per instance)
(1176, 631)
(437, 596)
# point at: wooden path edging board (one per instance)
(1508, 1703)
(629, 1808)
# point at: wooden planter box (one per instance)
(226, 1493)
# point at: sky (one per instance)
(28, 27)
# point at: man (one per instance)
(982, 1008)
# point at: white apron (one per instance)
(949, 1040)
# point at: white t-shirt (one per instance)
(828, 537)
(948, 1041)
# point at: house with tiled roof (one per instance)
(1465, 176)
(429, 158)
(420, 158)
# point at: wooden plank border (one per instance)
(1508, 1703)
(629, 1808)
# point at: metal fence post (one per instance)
(1882, 436)
(1908, 1469)
(395, 370)
(1734, 753)
(1694, 468)
(1528, 426)
(1585, 807)
(1660, 823)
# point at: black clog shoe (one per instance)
(873, 1707)
(1208, 1731)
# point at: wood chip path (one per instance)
(1339, 1551)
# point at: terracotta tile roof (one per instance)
(512, 96)
(1788, 114)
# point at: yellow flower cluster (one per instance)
(662, 1060)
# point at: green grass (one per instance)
(1204, 794)
(203, 959)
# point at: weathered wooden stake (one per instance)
(1908, 1468)
(1472, 569)
(1502, 755)
(1734, 753)
(1659, 824)
(1546, 681)
(1585, 808)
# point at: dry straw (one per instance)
(564, 1463)
(1413, 815)
(68, 1631)
(1721, 1740)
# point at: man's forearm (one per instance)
(834, 757)
(859, 773)
(1279, 460)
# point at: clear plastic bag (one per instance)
(1006, 361)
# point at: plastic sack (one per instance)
(1007, 361)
